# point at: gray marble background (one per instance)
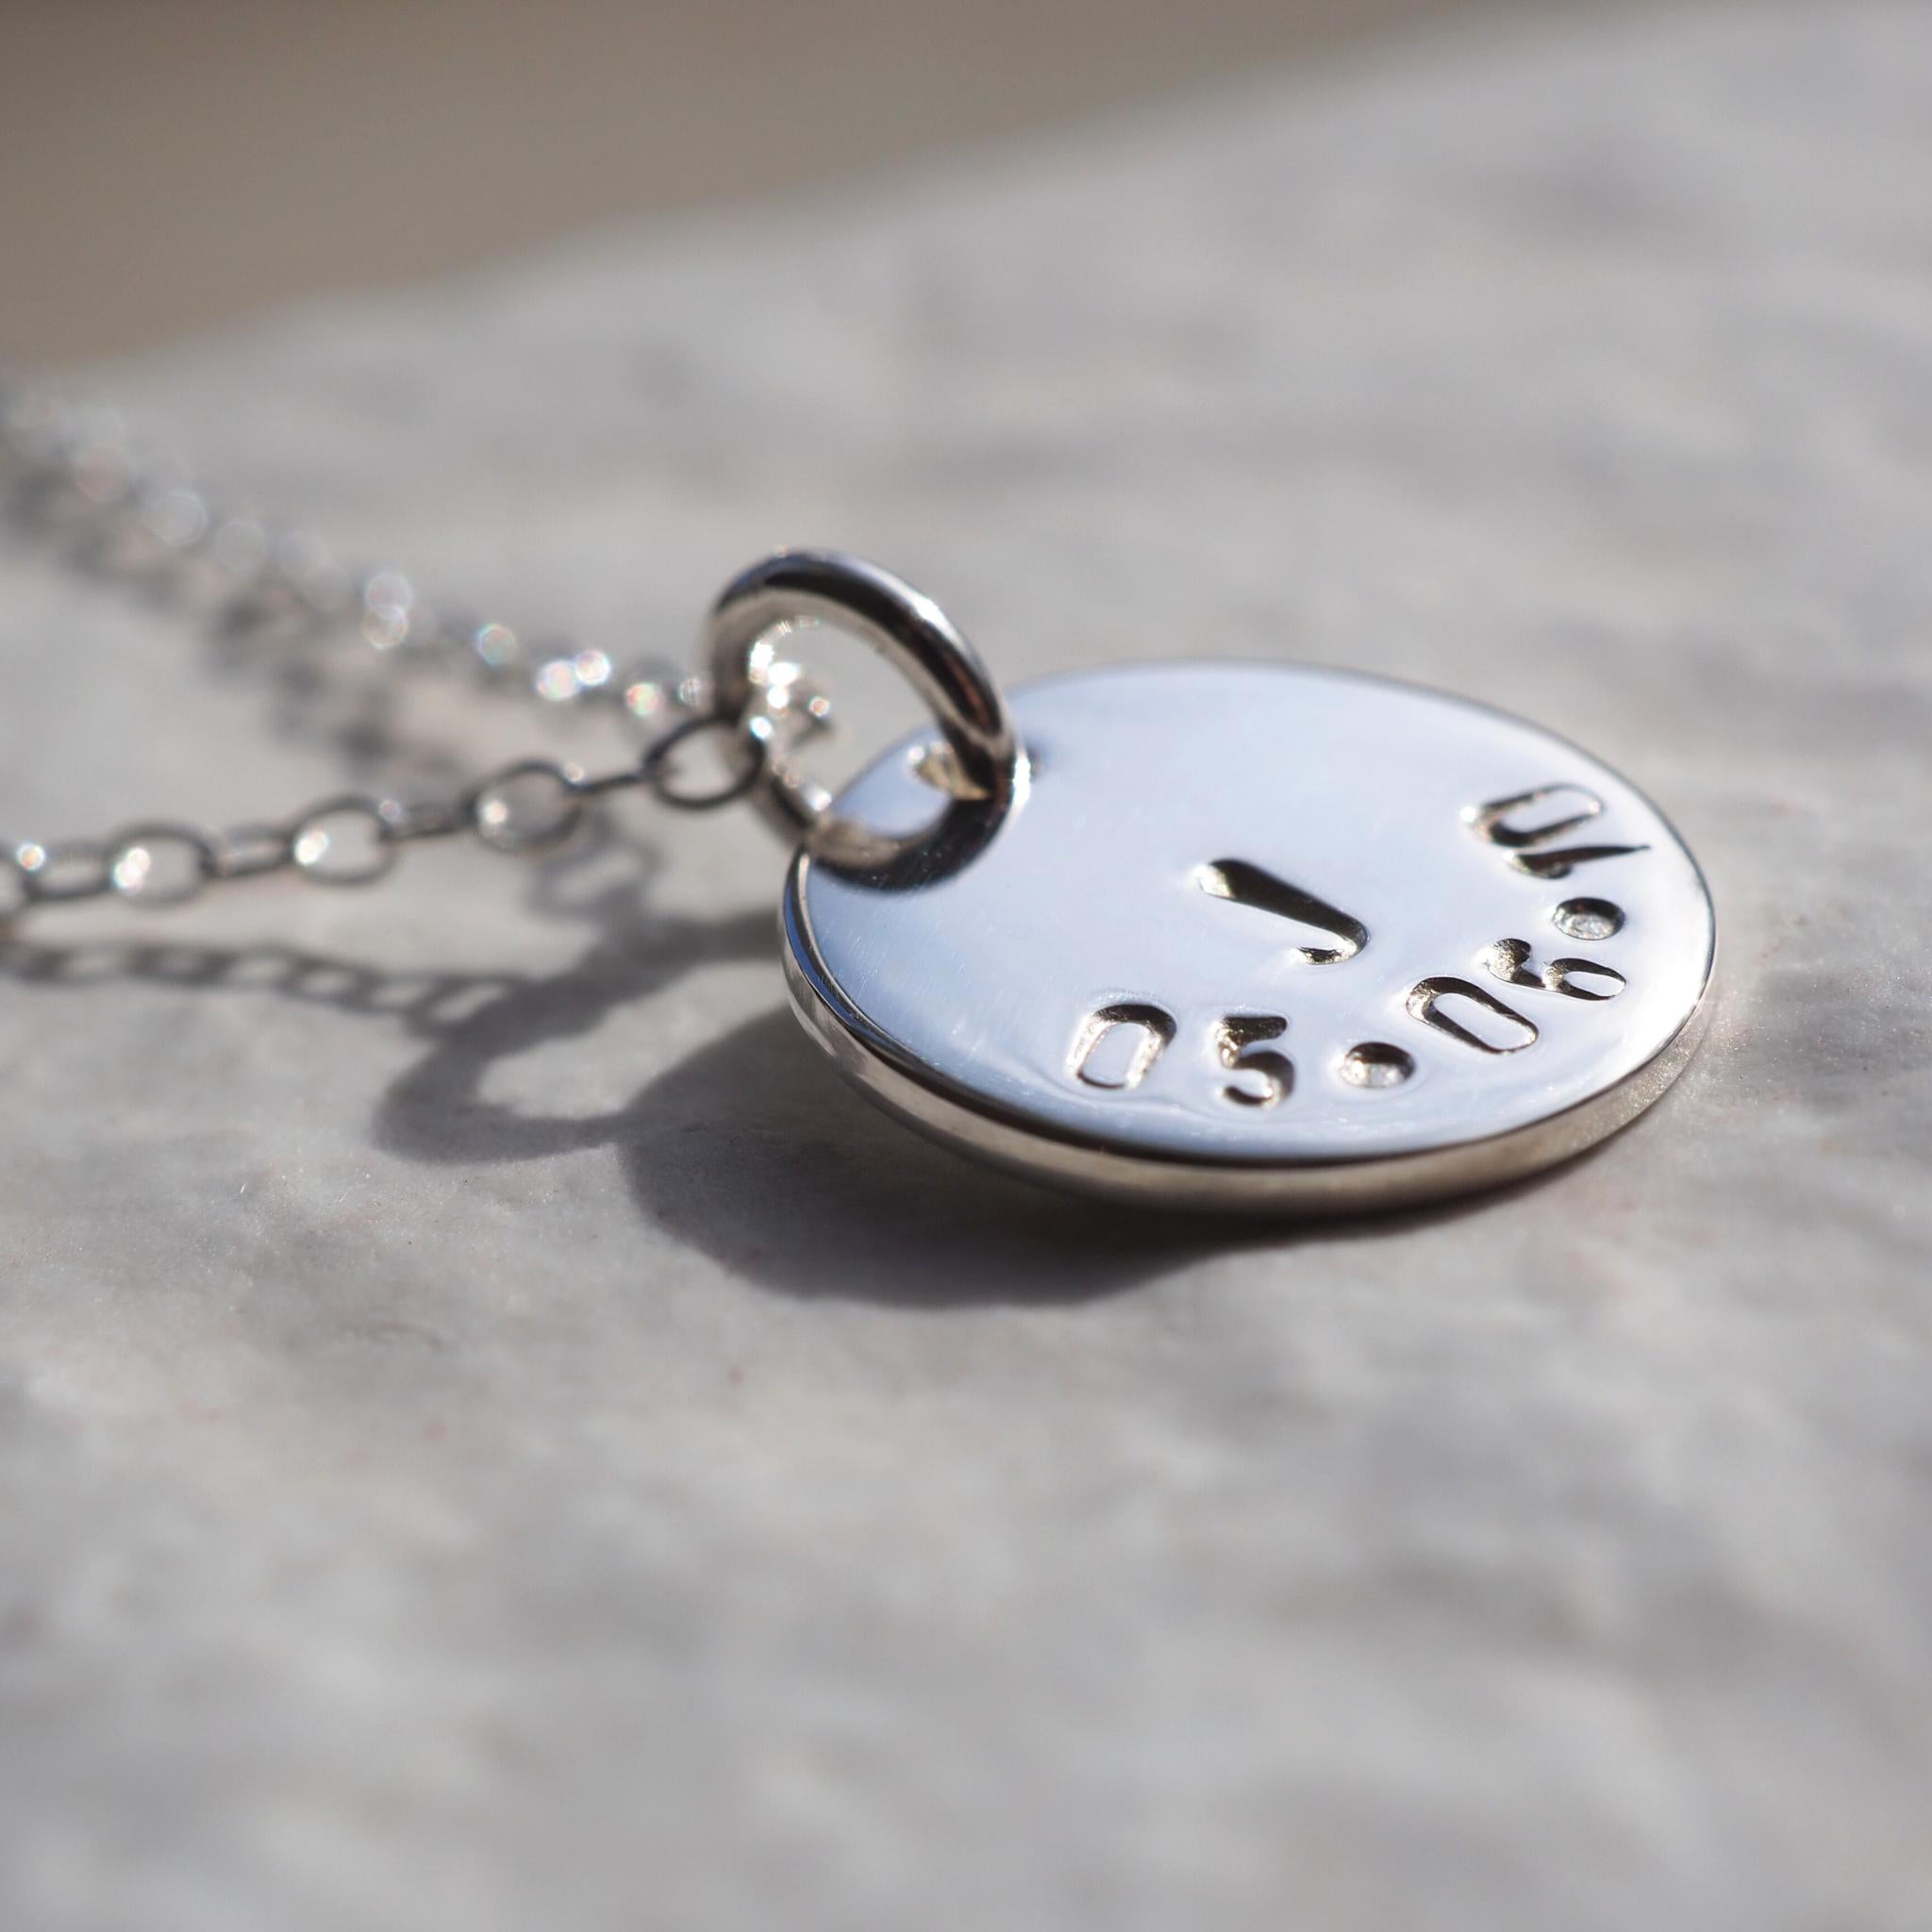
(492, 1435)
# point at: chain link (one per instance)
(529, 809)
(73, 472)
(129, 515)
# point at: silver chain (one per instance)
(72, 471)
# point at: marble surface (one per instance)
(491, 1434)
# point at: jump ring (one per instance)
(914, 636)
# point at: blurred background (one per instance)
(170, 163)
(492, 1435)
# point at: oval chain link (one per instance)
(350, 838)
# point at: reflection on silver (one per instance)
(1587, 919)
(1534, 817)
(985, 771)
(1236, 945)
(1253, 885)
(1117, 1045)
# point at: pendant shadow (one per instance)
(750, 1149)
(754, 1151)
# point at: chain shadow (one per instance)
(749, 1148)
(752, 1150)
(755, 1151)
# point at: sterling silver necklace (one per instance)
(1250, 935)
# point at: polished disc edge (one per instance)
(1028, 1151)
(951, 1107)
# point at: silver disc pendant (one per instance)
(1251, 935)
